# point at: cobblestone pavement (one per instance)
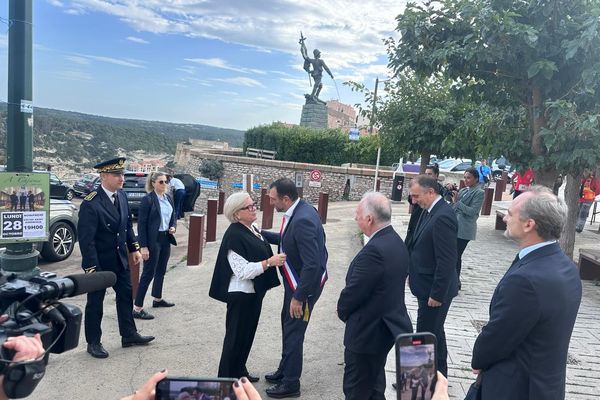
(189, 336)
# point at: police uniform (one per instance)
(105, 237)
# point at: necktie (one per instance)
(282, 226)
(115, 201)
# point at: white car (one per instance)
(455, 164)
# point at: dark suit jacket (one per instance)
(372, 303)
(523, 348)
(432, 250)
(149, 219)
(303, 241)
(105, 234)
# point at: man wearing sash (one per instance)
(304, 273)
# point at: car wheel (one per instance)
(60, 244)
(70, 194)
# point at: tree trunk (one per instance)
(547, 175)
(425, 157)
(567, 239)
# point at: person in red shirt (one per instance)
(590, 187)
(522, 182)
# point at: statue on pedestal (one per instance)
(316, 72)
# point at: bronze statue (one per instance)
(316, 72)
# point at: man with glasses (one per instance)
(105, 237)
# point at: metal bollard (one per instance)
(211, 220)
(267, 212)
(134, 271)
(195, 239)
(221, 202)
(486, 209)
(323, 204)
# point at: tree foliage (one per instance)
(212, 169)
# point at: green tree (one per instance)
(534, 59)
(212, 169)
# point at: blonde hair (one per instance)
(233, 204)
(152, 177)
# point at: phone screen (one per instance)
(415, 366)
(195, 389)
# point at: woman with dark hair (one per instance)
(156, 226)
(243, 274)
(467, 204)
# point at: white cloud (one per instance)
(188, 69)
(241, 81)
(74, 75)
(116, 61)
(78, 60)
(56, 3)
(220, 63)
(137, 40)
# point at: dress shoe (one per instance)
(252, 378)
(136, 340)
(96, 350)
(274, 377)
(162, 303)
(282, 390)
(142, 314)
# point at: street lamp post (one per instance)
(373, 119)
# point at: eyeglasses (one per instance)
(161, 182)
(251, 207)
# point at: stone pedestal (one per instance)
(314, 115)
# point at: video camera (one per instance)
(32, 307)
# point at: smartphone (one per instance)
(415, 365)
(195, 389)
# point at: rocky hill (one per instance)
(73, 142)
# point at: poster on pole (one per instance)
(24, 206)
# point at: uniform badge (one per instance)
(90, 196)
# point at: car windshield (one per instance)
(447, 163)
(134, 181)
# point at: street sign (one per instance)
(354, 134)
(315, 175)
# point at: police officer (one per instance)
(105, 236)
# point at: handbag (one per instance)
(172, 239)
(474, 392)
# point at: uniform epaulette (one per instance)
(90, 196)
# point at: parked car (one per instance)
(62, 234)
(134, 187)
(455, 164)
(86, 184)
(59, 189)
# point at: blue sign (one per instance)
(207, 183)
(354, 134)
(240, 185)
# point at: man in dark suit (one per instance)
(105, 236)
(431, 245)
(372, 303)
(22, 201)
(14, 200)
(522, 351)
(302, 239)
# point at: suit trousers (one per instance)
(364, 376)
(432, 319)
(292, 335)
(178, 200)
(154, 269)
(243, 313)
(461, 245)
(124, 300)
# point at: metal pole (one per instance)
(373, 114)
(20, 258)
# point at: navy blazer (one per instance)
(105, 234)
(372, 303)
(303, 241)
(432, 250)
(149, 219)
(523, 348)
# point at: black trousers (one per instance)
(432, 319)
(94, 309)
(292, 336)
(364, 376)
(154, 269)
(461, 245)
(243, 313)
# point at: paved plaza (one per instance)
(189, 336)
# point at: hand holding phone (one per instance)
(195, 389)
(415, 366)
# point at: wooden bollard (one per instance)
(500, 187)
(323, 204)
(263, 197)
(211, 220)
(300, 192)
(134, 271)
(378, 185)
(221, 202)
(195, 239)
(488, 196)
(267, 212)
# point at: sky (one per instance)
(227, 63)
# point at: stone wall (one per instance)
(333, 179)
